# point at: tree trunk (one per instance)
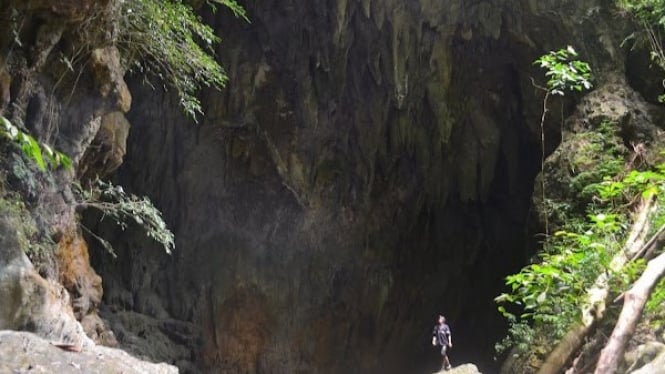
(598, 295)
(568, 345)
(634, 302)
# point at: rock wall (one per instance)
(57, 82)
(369, 165)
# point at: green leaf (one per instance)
(35, 152)
(31, 147)
(65, 161)
(650, 192)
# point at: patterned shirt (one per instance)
(442, 333)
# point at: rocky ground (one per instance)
(24, 352)
(462, 369)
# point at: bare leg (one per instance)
(446, 363)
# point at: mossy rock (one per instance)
(13, 208)
(573, 171)
(594, 156)
(30, 241)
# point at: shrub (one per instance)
(548, 294)
(167, 40)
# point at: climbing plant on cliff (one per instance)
(167, 40)
(564, 73)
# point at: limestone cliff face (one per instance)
(369, 165)
(57, 83)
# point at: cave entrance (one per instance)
(355, 296)
(473, 244)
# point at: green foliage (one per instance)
(40, 153)
(114, 202)
(548, 294)
(586, 181)
(521, 336)
(564, 72)
(651, 15)
(13, 207)
(651, 12)
(167, 39)
(647, 183)
(654, 308)
(656, 301)
(600, 154)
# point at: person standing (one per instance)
(441, 336)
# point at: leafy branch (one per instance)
(167, 40)
(123, 207)
(564, 72)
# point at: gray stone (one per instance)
(156, 339)
(24, 352)
(648, 358)
(461, 369)
(30, 302)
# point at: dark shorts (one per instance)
(444, 348)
